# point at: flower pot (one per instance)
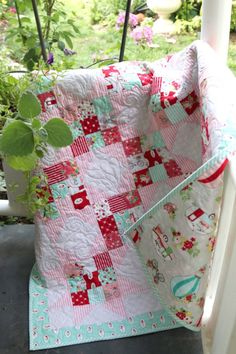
(164, 8)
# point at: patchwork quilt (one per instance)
(126, 245)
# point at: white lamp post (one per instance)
(164, 8)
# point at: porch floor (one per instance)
(16, 261)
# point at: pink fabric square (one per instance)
(80, 199)
(111, 291)
(156, 85)
(124, 201)
(92, 280)
(146, 79)
(111, 136)
(113, 240)
(172, 168)
(190, 103)
(107, 225)
(79, 146)
(90, 125)
(102, 260)
(60, 171)
(47, 100)
(142, 178)
(80, 298)
(153, 157)
(132, 146)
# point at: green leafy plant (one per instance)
(233, 18)
(58, 25)
(24, 140)
(102, 8)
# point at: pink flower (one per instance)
(133, 20)
(12, 10)
(142, 34)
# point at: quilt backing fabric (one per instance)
(134, 201)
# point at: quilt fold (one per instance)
(126, 243)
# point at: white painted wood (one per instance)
(10, 206)
(216, 328)
(216, 15)
(218, 331)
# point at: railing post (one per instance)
(216, 15)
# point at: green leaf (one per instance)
(17, 139)
(36, 124)
(22, 163)
(25, 19)
(39, 152)
(43, 134)
(29, 55)
(59, 134)
(30, 42)
(76, 29)
(69, 42)
(61, 45)
(29, 106)
(30, 65)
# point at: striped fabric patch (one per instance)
(156, 85)
(55, 173)
(124, 201)
(79, 146)
(102, 260)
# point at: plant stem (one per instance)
(39, 28)
(49, 9)
(19, 21)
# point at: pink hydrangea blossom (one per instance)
(142, 34)
(12, 10)
(133, 21)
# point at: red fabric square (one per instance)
(102, 260)
(90, 125)
(47, 100)
(113, 240)
(132, 146)
(145, 78)
(172, 169)
(124, 201)
(111, 136)
(142, 178)
(168, 99)
(60, 171)
(80, 298)
(190, 103)
(153, 157)
(92, 281)
(80, 199)
(79, 146)
(108, 225)
(109, 70)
